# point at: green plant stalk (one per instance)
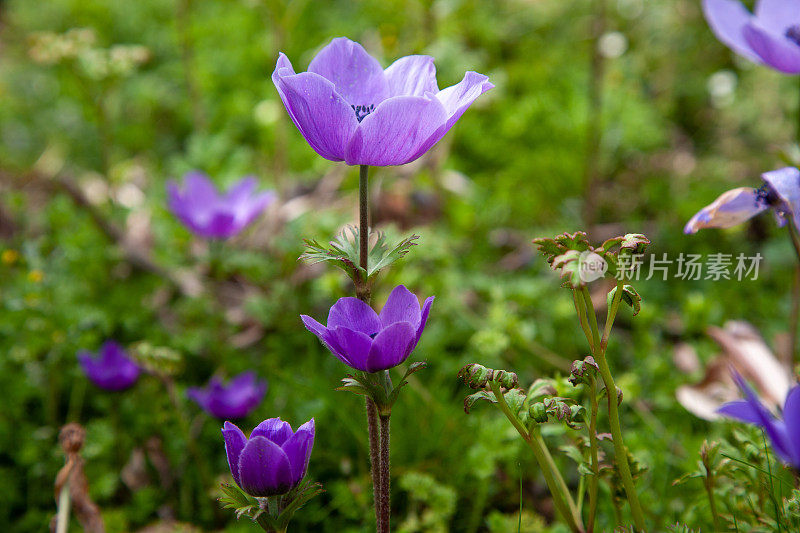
(383, 526)
(708, 482)
(594, 480)
(620, 452)
(552, 476)
(579, 308)
(362, 292)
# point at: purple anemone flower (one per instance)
(780, 192)
(350, 109)
(111, 369)
(273, 461)
(237, 399)
(784, 434)
(213, 216)
(771, 35)
(369, 342)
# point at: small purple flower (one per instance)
(366, 341)
(780, 192)
(237, 399)
(784, 434)
(350, 109)
(213, 216)
(273, 461)
(770, 36)
(111, 369)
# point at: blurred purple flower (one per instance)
(780, 192)
(366, 341)
(111, 369)
(784, 434)
(770, 36)
(235, 400)
(208, 214)
(273, 461)
(350, 109)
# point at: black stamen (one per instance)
(793, 34)
(362, 111)
(766, 195)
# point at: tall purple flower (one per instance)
(369, 342)
(770, 36)
(780, 192)
(350, 109)
(111, 368)
(237, 399)
(211, 215)
(784, 434)
(273, 461)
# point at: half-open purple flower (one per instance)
(784, 434)
(237, 399)
(369, 342)
(111, 369)
(211, 215)
(780, 192)
(350, 109)
(273, 461)
(770, 36)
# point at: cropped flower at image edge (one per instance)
(350, 109)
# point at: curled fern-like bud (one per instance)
(477, 376)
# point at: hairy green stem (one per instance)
(709, 485)
(383, 525)
(552, 476)
(376, 437)
(620, 452)
(794, 317)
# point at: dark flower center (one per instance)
(793, 34)
(363, 110)
(766, 195)
(372, 335)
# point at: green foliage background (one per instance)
(512, 169)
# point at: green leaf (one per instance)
(472, 399)
(384, 254)
(629, 296)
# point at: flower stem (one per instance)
(558, 487)
(593, 481)
(374, 455)
(708, 482)
(620, 452)
(62, 518)
(362, 292)
(362, 288)
(794, 318)
(383, 525)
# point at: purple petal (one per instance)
(777, 16)
(323, 117)
(785, 183)
(273, 429)
(235, 442)
(412, 76)
(729, 209)
(457, 98)
(777, 51)
(355, 346)
(727, 19)
(325, 336)
(357, 76)
(198, 396)
(400, 130)
(402, 306)
(791, 418)
(264, 469)
(221, 226)
(113, 352)
(391, 346)
(198, 190)
(353, 314)
(742, 410)
(298, 450)
(241, 191)
(426, 309)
